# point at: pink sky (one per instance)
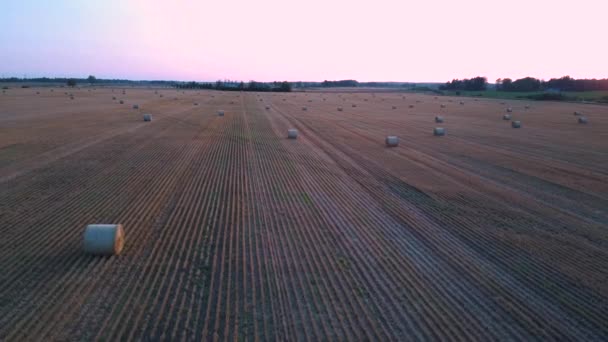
(269, 40)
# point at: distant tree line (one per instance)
(475, 84)
(237, 86)
(91, 80)
(565, 83)
(342, 83)
(528, 84)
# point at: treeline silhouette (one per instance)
(528, 84)
(476, 84)
(565, 83)
(237, 86)
(88, 80)
(341, 83)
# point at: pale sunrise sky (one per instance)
(267, 40)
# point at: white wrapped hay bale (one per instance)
(582, 120)
(292, 133)
(220, 113)
(392, 141)
(147, 117)
(506, 117)
(439, 119)
(439, 131)
(104, 239)
(516, 124)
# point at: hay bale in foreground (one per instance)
(582, 120)
(104, 239)
(147, 117)
(516, 124)
(392, 141)
(439, 119)
(439, 131)
(220, 113)
(292, 133)
(506, 117)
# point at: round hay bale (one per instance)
(121, 102)
(392, 141)
(582, 120)
(340, 109)
(527, 107)
(292, 133)
(354, 106)
(196, 103)
(461, 102)
(135, 106)
(104, 239)
(267, 107)
(439, 131)
(442, 106)
(113, 98)
(304, 108)
(439, 119)
(578, 113)
(394, 107)
(506, 117)
(147, 117)
(509, 110)
(516, 124)
(411, 106)
(220, 113)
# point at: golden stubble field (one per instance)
(235, 232)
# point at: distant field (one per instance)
(598, 96)
(234, 232)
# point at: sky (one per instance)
(310, 40)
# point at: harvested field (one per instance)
(233, 231)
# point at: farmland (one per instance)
(234, 231)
